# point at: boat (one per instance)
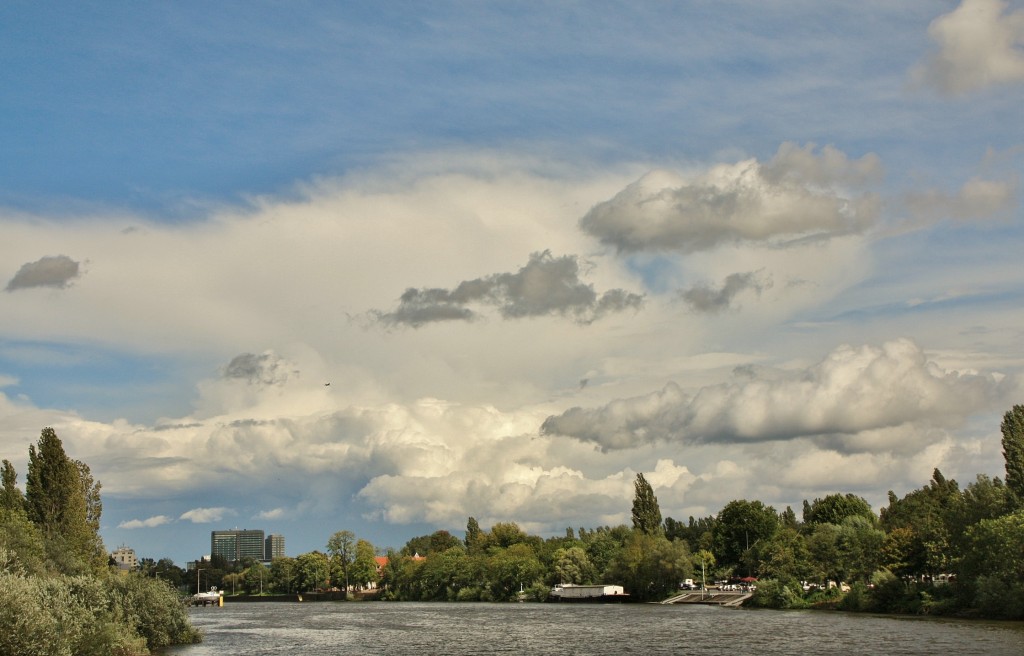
(600, 593)
(214, 597)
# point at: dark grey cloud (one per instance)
(706, 299)
(546, 286)
(51, 271)
(263, 369)
(850, 391)
(799, 194)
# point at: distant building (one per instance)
(274, 547)
(125, 558)
(237, 544)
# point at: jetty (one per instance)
(710, 598)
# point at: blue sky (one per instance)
(752, 251)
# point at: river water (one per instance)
(424, 629)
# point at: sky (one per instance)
(308, 267)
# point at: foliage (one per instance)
(646, 513)
(342, 547)
(739, 525)
(835, 508)
(63, 502)
(772, 593)
(1013, 450)
(89, 616)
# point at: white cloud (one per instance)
(275, 513)
(850, 391)
(150, 522)
(981, 45)
(206, 515)
(977, 199)
(798, 195)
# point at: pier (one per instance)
(710, 598)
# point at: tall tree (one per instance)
(58, 503)
(1013, 451)
(342, 547)
(739, 526)
(646, 513)
(11, 497)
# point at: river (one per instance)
(424, 629)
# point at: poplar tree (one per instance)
(11, 497)
(646, 513)
(57, 498)
(1013, 451)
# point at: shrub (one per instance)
(776, 594)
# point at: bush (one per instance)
(89, 616)
(858, 599)
(776, 594)
(999, 599)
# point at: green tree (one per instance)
(705, 560)
(928, 512)
(342, 547)
(312, 571)
(63, 501)
(835, 508)
(783, 557)
(650, 566)
(1013, 450)
(364, 566)
(740, 524)
(11, 497)
(282, 574)
(571, 565)
(475, 537)
(512, 569)
(256, 578)
(436, 542)
(646, 513)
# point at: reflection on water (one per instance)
(439, 628)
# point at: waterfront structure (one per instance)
(237, 544)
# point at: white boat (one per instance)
(600, 593)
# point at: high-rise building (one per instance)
(237, 544)
(274, 547)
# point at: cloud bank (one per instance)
(851, 391)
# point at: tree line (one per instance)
(58, 595)
(939, 549)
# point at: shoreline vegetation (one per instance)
(58, 594)
(939, 550)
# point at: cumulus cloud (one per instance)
(977, 199)
(800, 194)
(706, 299)
(263, 369)
(51, 271)
(157, 520)
(206, 515)
(979, 46)
(545, 286)
(853, 389)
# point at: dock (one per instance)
(710, 598)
